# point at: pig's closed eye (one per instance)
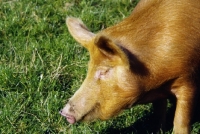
(102, 74)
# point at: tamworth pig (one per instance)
(149, 56)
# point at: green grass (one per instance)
(41, 66)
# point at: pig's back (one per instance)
(164, 36)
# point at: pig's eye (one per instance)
(102, 74)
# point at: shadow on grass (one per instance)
(147, 124)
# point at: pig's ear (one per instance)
(111, 50)
(79, 31)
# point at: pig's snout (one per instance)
(67, 113)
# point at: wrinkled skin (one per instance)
(149, 56)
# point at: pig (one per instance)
(146, 58)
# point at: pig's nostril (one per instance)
(61, 112)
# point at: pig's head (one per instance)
(110, 85)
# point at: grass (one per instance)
(41, 66)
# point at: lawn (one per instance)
(41, 66)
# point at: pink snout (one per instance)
(65, 112)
